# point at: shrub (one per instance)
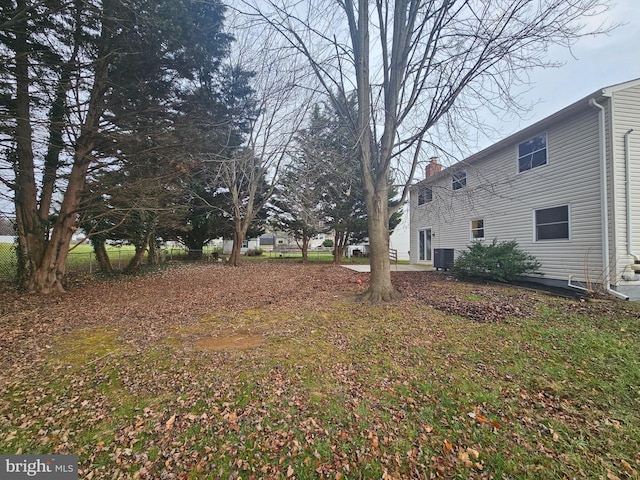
(327, 243)
(501, 262)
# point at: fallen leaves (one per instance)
(331, 389)
(484, 305)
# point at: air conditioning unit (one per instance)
(443, 258)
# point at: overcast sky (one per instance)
(594, 63)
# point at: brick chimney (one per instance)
(433, 167)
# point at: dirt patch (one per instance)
(232, 342)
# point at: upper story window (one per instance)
(425, 194)
(532, 153)
(552, 223)
(459, 179)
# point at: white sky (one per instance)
(593, 63)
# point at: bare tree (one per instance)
(251, 173)
(419, 65)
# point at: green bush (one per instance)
(501, 262)
(327, 243)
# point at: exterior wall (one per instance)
(626, 117)
(227, 245)
(506, 200)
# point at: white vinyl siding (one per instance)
(505, 200)
(626, 116)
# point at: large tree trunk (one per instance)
(380, 286)
(56, 143)
(30, 229)
(102, 256)
(48, 275)
(238, 238)
(338, 247)
(375, 168)
(41, 259)
(152, 258)
(136, 260)
(305, 248)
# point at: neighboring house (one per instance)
(399, 239)
(271, 242)
(247, 244)
(567, 189)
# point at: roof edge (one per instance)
(537, 126)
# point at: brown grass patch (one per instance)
(229, 342)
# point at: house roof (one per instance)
(528, 132)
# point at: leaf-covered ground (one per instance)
(271, 370)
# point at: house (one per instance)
(247, 244)
(566, 188)
(272, 242)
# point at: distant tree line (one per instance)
(128, 121)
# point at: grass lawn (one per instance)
(7, 261)
(81, 258)
(271, 370)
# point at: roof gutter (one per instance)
(604, 204)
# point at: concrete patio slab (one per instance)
(394, 268)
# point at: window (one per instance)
(532, 153)
(459, 179)
(424, 245)
(425, 194)
(245, 243)
(477, 229)
(552, 223)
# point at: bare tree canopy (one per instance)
(251, 174)
(419, 65)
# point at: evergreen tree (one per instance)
(113, 78)
(324, 186)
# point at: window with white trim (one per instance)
(477, 229)
(532, 153)
(459, 179)
(552, 223)
(425, 194)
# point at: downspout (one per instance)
(627, 166)
(604, 204)
(577, 287)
